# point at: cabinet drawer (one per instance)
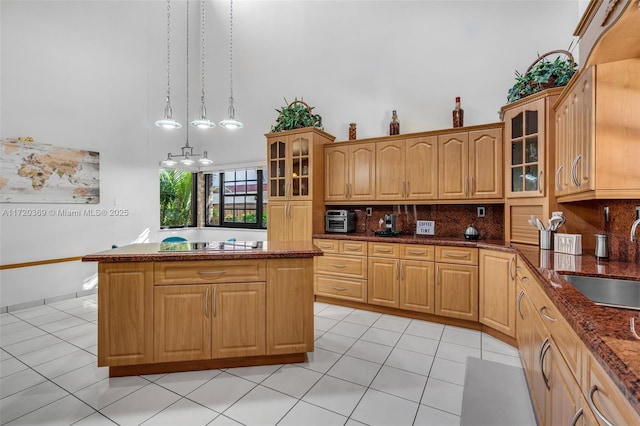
(342, 288)
(384, 249)
(461, 255)
(327, 246)
(195, 272)
(353, 248)
(349, 266)
(417, 252)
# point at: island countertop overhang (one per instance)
(151, 252)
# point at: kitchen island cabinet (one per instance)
(163, 311)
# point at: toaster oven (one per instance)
(340, 221)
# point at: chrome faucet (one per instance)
(633, 229)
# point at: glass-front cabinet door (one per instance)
(524, 131)
(290, 166)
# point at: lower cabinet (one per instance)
(497, 290)
(194, 322)
(342, 271)
(456, 294)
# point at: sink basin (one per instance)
(612, 292)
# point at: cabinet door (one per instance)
(301, 165)
(336, 173)
(582, 142)
(390, 160)
(383, 281)
(182, 322)
(278, 168)
(417, 286)
(525, 150)
(564, 399)
(362, 172)
(300, 221)
(457, 291)
(497, 291)
(289, 306)
(538, 386)
(125, 313)
(485, 164)
(524, 329)
(421, 168)
(238, 320)
(277, 216)
(453, 166)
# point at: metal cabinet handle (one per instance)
(338, 266)
(543, 352)
(401, 271)
(352, 248)
(573, 170)
(547, 316)
(592, 404)
(456, 256)
(397, 274)
(525, 280)
(349, 191)
(212, 272)
(383, 250)
(466, 187)
(206, 303)
(511, 262)
(338, 288)
(416, 252)
(471, 186)
(406, 191)
(576, 416)
(558, 186)
(215, 299)
(325, 246)
(540, 181)
(518, 303)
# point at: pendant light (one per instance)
(187, 155)
(168, 122)
(230, 122)
(202, 122)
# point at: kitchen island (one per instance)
(183, 306)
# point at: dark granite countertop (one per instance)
(151, 252)
(605, 331)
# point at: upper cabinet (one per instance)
(350, 172)
(470, 165)
(407, 169)
(598, 149)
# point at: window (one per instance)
(236, 198)
(177, 204)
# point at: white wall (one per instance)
(92, 75)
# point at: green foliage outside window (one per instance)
(176, 198)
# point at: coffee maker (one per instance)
(390, 221)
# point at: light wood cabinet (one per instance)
(597, 143)
(497, 290)
(407, 169)
(125, 313)
(456, 293)
(417, 286)
(342, 272)
(470, 165)
(350, 172)
(290, 220)
(295, 168)
(289, 306)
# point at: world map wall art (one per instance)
(32, 172)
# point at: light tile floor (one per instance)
(367, 368)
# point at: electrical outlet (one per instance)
(481, 211)
(369, 211)
(637, 212)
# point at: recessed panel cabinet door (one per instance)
(390, 158)
(383, 281)
(422, 168)
(182, 323)
(457, 291)
(417, 283)
(497, 291)
(453, 166)
(238, 315)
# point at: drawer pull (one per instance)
(456, 256)
(338, 288)
(351, 248)
(592, 404)
(339, 266)
(206, 302)
(547, 316)
(325, 246)
(511, 262)
(383, 250)
(224, 271)
(576, 416)
(518, 303)
(417, 252)
(543, 352)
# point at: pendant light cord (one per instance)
(202, 28)
(231, 55)
(168, 51)
(187, 143)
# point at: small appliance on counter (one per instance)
(471, 233)
(340, 221)
(390, 228)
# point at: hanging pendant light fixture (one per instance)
(186, 152)
(202, 122)
(168, 122)
(230, 122)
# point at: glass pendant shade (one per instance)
(187, 161)
(168, 122)
(231, 122)
(205, 160)
(203, 122)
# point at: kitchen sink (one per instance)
(612, 292)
